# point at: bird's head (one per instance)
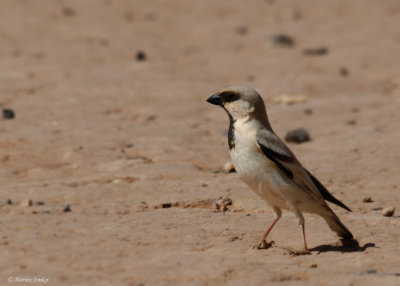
(240, 102)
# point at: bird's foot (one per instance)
(264, 244)
(300, 252)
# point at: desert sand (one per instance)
(111, 165)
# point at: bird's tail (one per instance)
(336, 225)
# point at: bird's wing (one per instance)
(326, 194)
(276, 151)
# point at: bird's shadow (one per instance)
(346, 245)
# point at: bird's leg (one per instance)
(301, 222)
(305, 251)
(304, 238)
(264, 244)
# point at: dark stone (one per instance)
(8, 113)
(299, 135)
(251, 78)
(129, 17)
(38, 203)
(242, 30)
(367, 200)
(68, 12)
(351, 122)
(282, 40)
(308, 111)
(67, 209)
(321, 51)
(140, 56)
(343, 71)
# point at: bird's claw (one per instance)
(264, 244)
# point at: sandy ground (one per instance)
(115, 138)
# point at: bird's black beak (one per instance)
(215, 99)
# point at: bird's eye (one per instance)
(230, 96)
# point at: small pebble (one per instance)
(314, 265)
(38, 203)
(316, 51)
(68, 12)
(351, 122)
(299, 135)
(129, 17)
(343, 72)
(389, 211)
(308, 111)
(143, 206)
(67, 209)
(282, 40)
(151, 117)
(221, 204)
(8, 113)
(297, 15)
(140, 56)
(251, 78)
(229, 168)
(233, 238)
(242, 30)
(26, 203)
(367, 200)
(43, 212)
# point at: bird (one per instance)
(269, 167)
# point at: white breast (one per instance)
(254, 168)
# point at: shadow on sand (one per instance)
(346, 245)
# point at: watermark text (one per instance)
(32, 280)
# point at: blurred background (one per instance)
(110, 122)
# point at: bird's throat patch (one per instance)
(231, 133)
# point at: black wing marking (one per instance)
(276, 157)
(326, 194)
(280, 159)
